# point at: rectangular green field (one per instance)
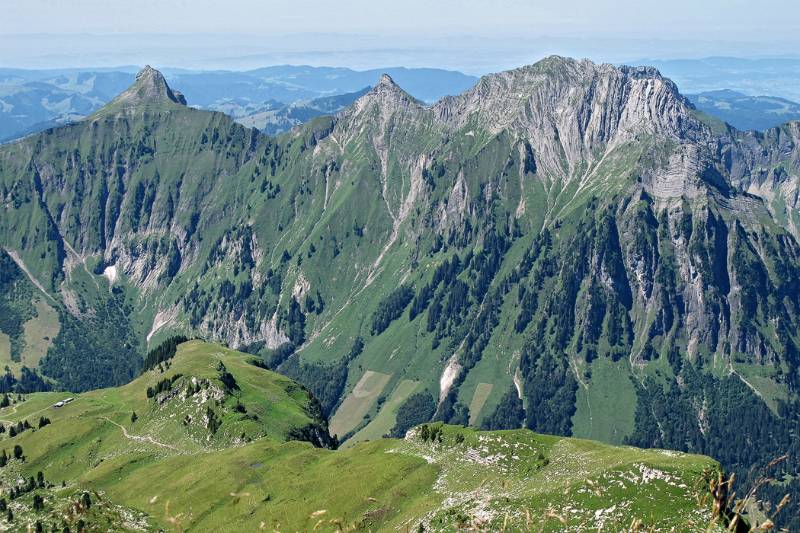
(358, 402)
(605, 411)
(39, 334)
(386, 418)
(482, 392)
(5, 349)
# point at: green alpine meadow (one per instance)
(564, 299)
(224, 445)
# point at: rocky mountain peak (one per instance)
(389, 93)
(385, 99)
(149, 87)
(387, 80)
(598, 99)
(569, 110)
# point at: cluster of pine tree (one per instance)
(28, 381)
(417, 408)
(390, 308)
(325, 381)
(17, 454)
(162, 386)
(20, 426)
(96, 350)
(163, 352)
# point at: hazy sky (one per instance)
(471, 34)
(663, 18)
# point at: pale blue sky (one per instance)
(638, 18)
(473, 35)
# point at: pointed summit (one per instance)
(386, 86)
(385, 98)
(386, 81)
(150, 88)
(388, 95)
(150, 85)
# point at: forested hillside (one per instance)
(567, 247)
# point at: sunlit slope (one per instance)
(488, 479)
(161, 472)
(195, 413)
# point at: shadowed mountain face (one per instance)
(568, 247)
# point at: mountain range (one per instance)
(275, 99)
(746, 112)
(275, 117)
(774, 76)
(567, 247)
(33, 100)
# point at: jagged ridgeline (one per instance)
(567, 247)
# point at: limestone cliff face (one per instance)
(592, 101)
(573, 111)
(573, 122)
(767, 164)
(757, 157)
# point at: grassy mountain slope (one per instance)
(168, 466)
(175, 420)
(566, 247)
(485, 481)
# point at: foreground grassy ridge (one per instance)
(517, 479)
(162, 472)
(283, 487)
(98, 428)
(274, 405)
(482, 480)
(522, 481)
